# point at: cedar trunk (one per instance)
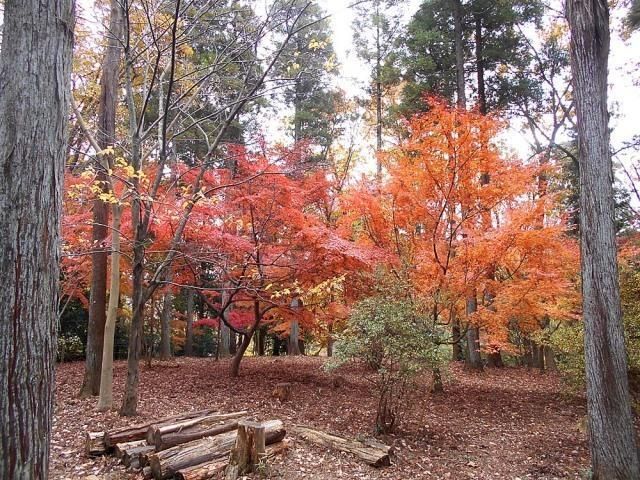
(35, 67)
(612, 434)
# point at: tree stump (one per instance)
(248, 451)
(94, 444)
(282, 391)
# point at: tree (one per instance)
(35, 67)
(308, 60)
(105, 137)
(485, 36)
(376, 29)
(612, 434)
(430, 216)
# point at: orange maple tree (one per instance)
(463, 220)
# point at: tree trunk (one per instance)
(614, 454)
(457, 354)
(224, 346)
(35, 67)
(97, 298)
(474, 360)
(188, 345)
(457, 31)
(130, 398)
(550, 359)
(233, 343)
(293, 347)
(378, 94)
(165, 327)
(105, 137)
(482, 96)
(105, 401)
(246, 340)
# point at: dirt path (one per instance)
(501, 424)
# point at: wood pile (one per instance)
(194, 446)
(206, 444)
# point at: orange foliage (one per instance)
(462, 219)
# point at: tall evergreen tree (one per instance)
(492, 46)
(309, 61)
(375, 31)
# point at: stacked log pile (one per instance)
(206, 444)
(194, 446)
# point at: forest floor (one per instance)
(501, 424)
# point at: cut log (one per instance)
(166, 463)
(372, 452)
(248, 450)
(208, 470)
(203, 422)
(139, 432)
(120, 450)
(94, 445)
(282, 391)
(168, 440)
(137, 455)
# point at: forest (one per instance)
(319, 239)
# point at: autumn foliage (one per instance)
(463, 220)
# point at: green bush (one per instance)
(70, 348)
(397, 342)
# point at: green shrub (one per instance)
(70, 348)
(397, 342)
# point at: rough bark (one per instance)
(188, 345)
(614, 454)
(105, 137)
(372, 452)
(35, 67)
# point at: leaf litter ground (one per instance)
(500, 424)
